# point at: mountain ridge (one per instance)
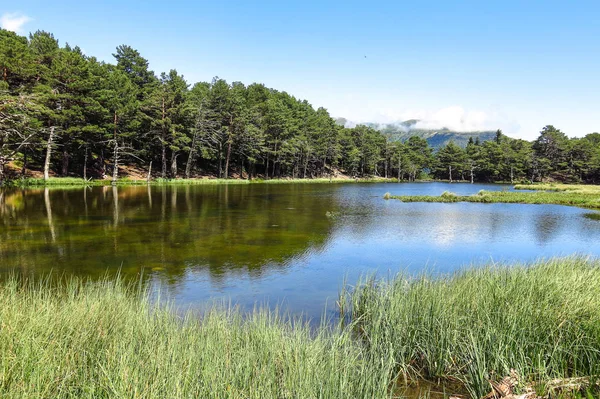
(436, 138)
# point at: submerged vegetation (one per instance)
(583, 196)
(108, 339)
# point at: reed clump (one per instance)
(108, 340)
(541, 322)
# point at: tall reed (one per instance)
(107, 340)
(542, 321)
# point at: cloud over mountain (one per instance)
(455, 118)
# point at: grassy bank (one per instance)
(72, 181)
(105, 340)
(585, 199)
(542, 321)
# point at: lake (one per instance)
(289, 244)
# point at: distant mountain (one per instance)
(435, 137)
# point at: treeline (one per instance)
(552, 156)
(68, 114)
(64, 112)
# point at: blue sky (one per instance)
(515, 65)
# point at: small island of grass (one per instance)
(585, 196)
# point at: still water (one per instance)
(286, 244)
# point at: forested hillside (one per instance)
(64, 113)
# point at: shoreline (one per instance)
(80, 182)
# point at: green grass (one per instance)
(79, 182)
(585, 199)
(574, 188)
(105, 340)
(54, 181)
(477, 325)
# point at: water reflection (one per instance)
(168, 229)
(291, 243)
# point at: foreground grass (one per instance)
(104, 340)
(542, 321)
(585, 199)
(108, 340)
(73, 181)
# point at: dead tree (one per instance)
(14, 130)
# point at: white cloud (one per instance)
(13, 21)
(454, 118)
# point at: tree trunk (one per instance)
(85, 158)
(48, 154)
(511, 174)
(274, 159)
(267, 167)
(174, 164)
(450, 172)
(149, 172)
(228, 157)
(220, 159)
(163, 142)
(188, 164)
(399, 169)
(65, 161)
(306, 164)
(164, 160)
(102, 163)
(115, 164)
(472, 175)
(116, 152)
(1, 174)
